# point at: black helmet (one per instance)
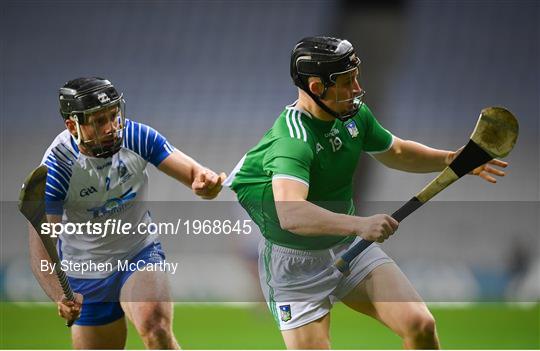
(82, 95)
(79, 98)
(326, 58)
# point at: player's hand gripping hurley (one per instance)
(494, 136)
(32, 206)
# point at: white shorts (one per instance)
(301, 286)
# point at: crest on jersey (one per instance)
(122, 169)
(352, 129)
(285, 313)
(123, 173)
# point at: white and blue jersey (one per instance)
(82, 189)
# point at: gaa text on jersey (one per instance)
(87, 191)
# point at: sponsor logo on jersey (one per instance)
(285, 313)
(87, 191)
(318, 148)
(114, 205)
(332, 133)
(351, 128)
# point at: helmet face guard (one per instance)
(98, 112)
(326, 58)
(353, 101)
(103, 129)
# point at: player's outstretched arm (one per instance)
(410, 156)
(302, 217)
(203, 181)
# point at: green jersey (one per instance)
(322, 155)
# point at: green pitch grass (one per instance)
(482, 326)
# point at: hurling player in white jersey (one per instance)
(97, 172)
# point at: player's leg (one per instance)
(101, 324)
(296, 285)
(387, 295)
(146, 301)
(107, 336)
(314, 335)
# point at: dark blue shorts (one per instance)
(101, 303)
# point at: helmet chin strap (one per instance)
(317, 99)
(78, 128)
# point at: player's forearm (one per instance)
(410, 156)
(181, 167)
(308, 219)
(48, 282)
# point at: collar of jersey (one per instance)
(319, 122)
(324, 126)
(294, 108)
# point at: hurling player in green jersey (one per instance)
(297, 185)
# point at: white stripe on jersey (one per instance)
(58, 181)
(73, 156)
(64, 158)
(304, 134)
(290, 177)
(139, 138)
(61, 165)
(289, 123)
(59, 174)
(60, 156)
(132, 132)
(293, 117)
(168, 147)
(146, 142)
(371, 153)
(63, 193)
(153, 143)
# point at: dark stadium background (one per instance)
(213, 75)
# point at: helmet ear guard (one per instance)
(325, 58)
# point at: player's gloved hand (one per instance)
(207, 184)
(376, 228)
(70, 310)
(485, 171)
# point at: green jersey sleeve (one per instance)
(289, 157)
(377, 138)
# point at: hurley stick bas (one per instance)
(494, 136)
(32, 206)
